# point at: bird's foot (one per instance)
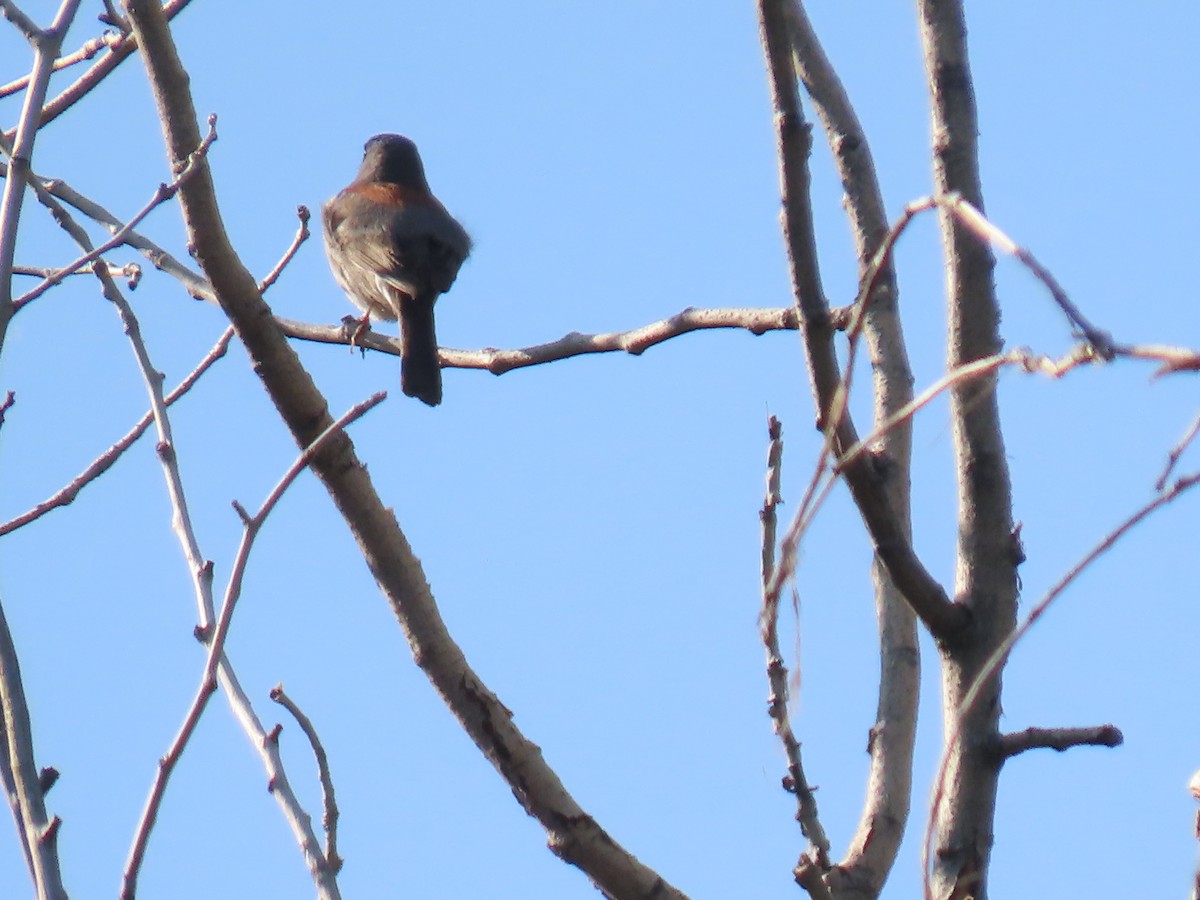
(354, 327)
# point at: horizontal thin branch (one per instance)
(132, 272)
(1060, 739)
(756, 320)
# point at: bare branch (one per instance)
(1172, 458)
(984, 682)
(985, 567)
(132, 272)
(26, 25)
(889, 532)
(164, 193)
(199, 569)
(815, 861)
(109, 39)
(636, 341)
(22, 779)
(302, 235)
(817, 854)
(195, 284)
(104, 462)
(970, 216)
(329, 820)
(1060, 739)
(1173, 359)
(120, 51)
(217, 664)
(772, 499)
(573, 835)
(19, 147)
(905, 414)
(9, 401)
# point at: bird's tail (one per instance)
(420, 372)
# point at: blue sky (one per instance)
(590, 527)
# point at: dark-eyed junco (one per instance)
(393, 249)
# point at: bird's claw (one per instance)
(354, 327)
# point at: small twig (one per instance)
(817, 854)
(1194, 790)
(998, 658)
(83, 85)
(1060, 739)
(1173, 359)
(976, 222)
(195, 284)
(104, 462)
(87, 51)
(329, 819)
(111, 16)
(164, 193)
(130, 271)
(10, 400)
(1172, 457)
(772, 499)
(216, 664)
(302, 235)
(962, 374)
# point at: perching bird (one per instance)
(393, 249)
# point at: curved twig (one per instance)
(329, 819)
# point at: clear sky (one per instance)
(590, 527)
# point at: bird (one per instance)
(394, 249)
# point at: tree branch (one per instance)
(215, 661)
(981, 687)
(19, 146)
(888, 531)
(1060, 739)
(196, 285)
(329, 819)
(986, 574)
(164, 193)
(816, 857)
(89, 49)
(635, 341)
(104, 462)
(82, 86)
(573, 835)
(872, 851)
(21, 776)
(1176, 452)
